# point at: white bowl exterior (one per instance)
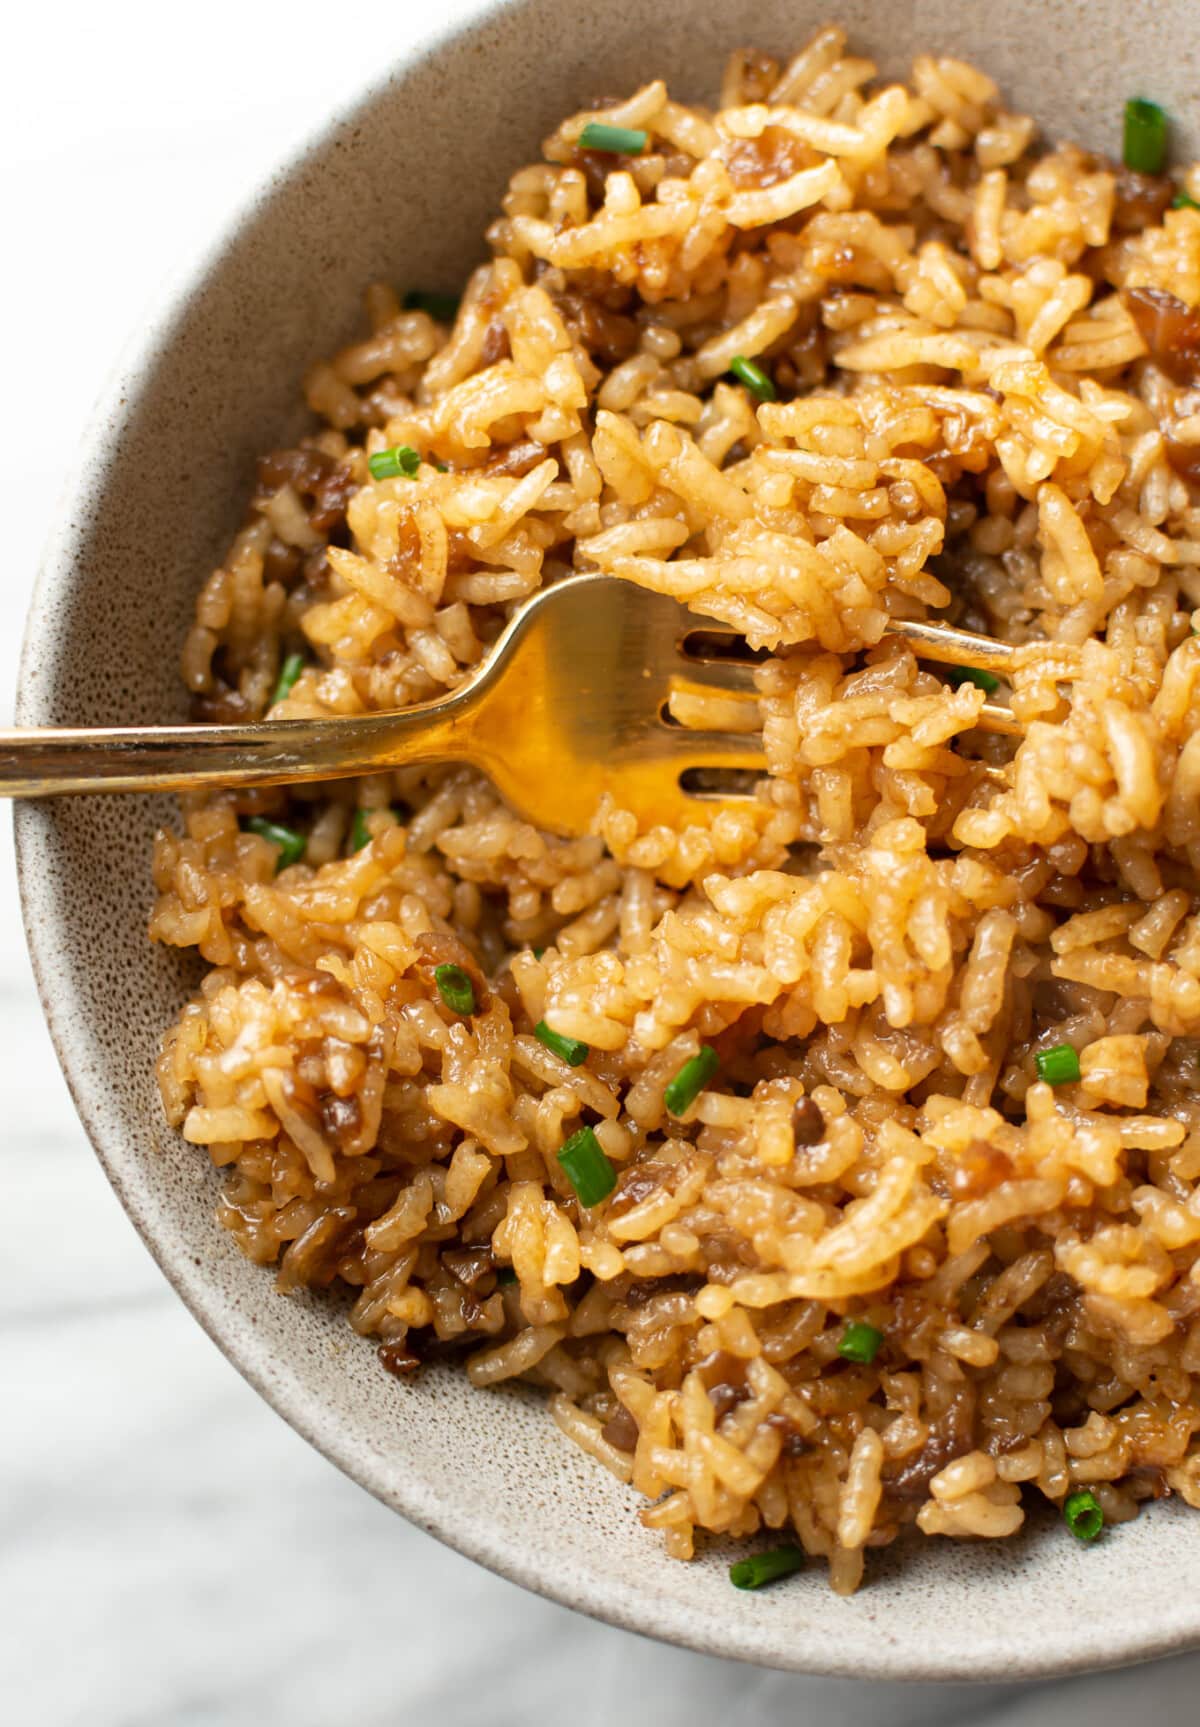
(162, 480)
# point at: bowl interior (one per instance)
(166, 472)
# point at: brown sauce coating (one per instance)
(324, 484)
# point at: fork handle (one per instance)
(57, 760)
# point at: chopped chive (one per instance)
(956, 675)
(1184, 201)
(754, 378)
(1058, 1066)
(615, 140)
(389, 464)
(691, 1080)
(860, 1342)
(443, 307)
(291, 844)
(587, 1169)
(441, 467)
(1145, 136)
(505, 1275)
(763, 1568)
(360, 833)
(568, 1048)
(538, 952)
(1084, 1514)
(455, 988)
(289, 671)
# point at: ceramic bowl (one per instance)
(161, 485)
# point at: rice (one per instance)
(985, 358)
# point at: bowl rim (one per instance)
(553, 1576)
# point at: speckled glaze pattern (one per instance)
(161, 483)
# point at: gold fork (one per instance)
(574, 701)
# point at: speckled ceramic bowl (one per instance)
(162, 483)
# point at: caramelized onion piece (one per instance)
(1142, 200)
(1169, 329)
(398, 1358)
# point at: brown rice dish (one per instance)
(879, 1206)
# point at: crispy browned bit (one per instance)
(321, 481)
(621, 1430)
(766, 160)
(1170, 329)
(517, 459)
(981, 1168)
(439, 947)
(808, 1124)
(468, 1264)
(398, 1358)
(1142, 200)
(636, 1185)
(608, 336)
(495, 343)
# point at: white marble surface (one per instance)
(171, 1555)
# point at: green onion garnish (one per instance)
(1084, 1515)
(615, 140)
(1184, 201)
(691, 1080)
(1058, 1066)
(1145, 136)
(956, 675)
(443, 307)
(291, 844)
(505, 1275)
(569, 1049)
(587, 1169)
(754, 378)
(289, 671)
(389, 464)
(860, 1342)
(763, 1568)
(455, 988)
(360, 833)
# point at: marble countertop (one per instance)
(171, 1554)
